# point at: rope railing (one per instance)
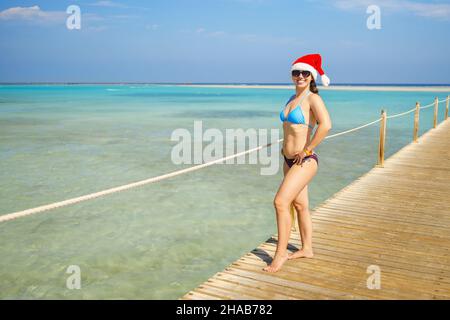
(427, 106)
(401, 114)
(39, 209)
(413, 109)
(351, 130)
(417, 109)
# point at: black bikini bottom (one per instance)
(290, 162)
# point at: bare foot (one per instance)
(302, 253)
(276, 264)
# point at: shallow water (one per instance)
(160, 240)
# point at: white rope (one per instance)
(60, 204)
(413, 109)
(401, 114)
(427, 106)
(354, 129)
(19, 214)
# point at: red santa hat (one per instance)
(312, 63)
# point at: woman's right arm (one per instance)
(323, 120)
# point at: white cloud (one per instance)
(123, 16)
(424, 9)
(92, 17)
(244, 37)
(152, 26)
(36, 16)
(217, 34)
(109, 4)
(252, 1)
(117, 5)
(206, 33)
(97, 28)
(32, 14)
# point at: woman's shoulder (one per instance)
(315, 98)
(315, 101)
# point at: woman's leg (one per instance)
(285, 171)
(301, 204)
(295, 180)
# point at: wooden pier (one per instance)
(384, 236)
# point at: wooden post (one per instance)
(416, 122)
(382, 139)
(435, 112)
(446, 108)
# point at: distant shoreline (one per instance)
(340, 87)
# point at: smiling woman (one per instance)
(298, 149)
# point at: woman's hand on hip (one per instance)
(298, 158)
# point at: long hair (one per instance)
(313, 86)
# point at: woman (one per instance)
(304, 109)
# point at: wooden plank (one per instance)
(322, 257)
(286, 281)
(391, 227)
(194, 295)
(376, 244)
(351, 276)
(424, 284)
(350, 279)
(381, 260)
(240, 287)
(262, 285)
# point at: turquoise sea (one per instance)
(160, 240)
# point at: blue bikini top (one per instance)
(296, 115)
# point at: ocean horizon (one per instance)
(223, 83)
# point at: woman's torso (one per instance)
(297, 136)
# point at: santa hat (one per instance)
(312, 63)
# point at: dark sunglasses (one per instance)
(304, 73)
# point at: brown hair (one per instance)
(313, 86)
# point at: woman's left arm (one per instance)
(323, 119)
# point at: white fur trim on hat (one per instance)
(305, 66)
(325, 80)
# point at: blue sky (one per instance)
(223, 41)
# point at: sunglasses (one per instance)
(304, 73)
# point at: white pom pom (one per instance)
(325, 80)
